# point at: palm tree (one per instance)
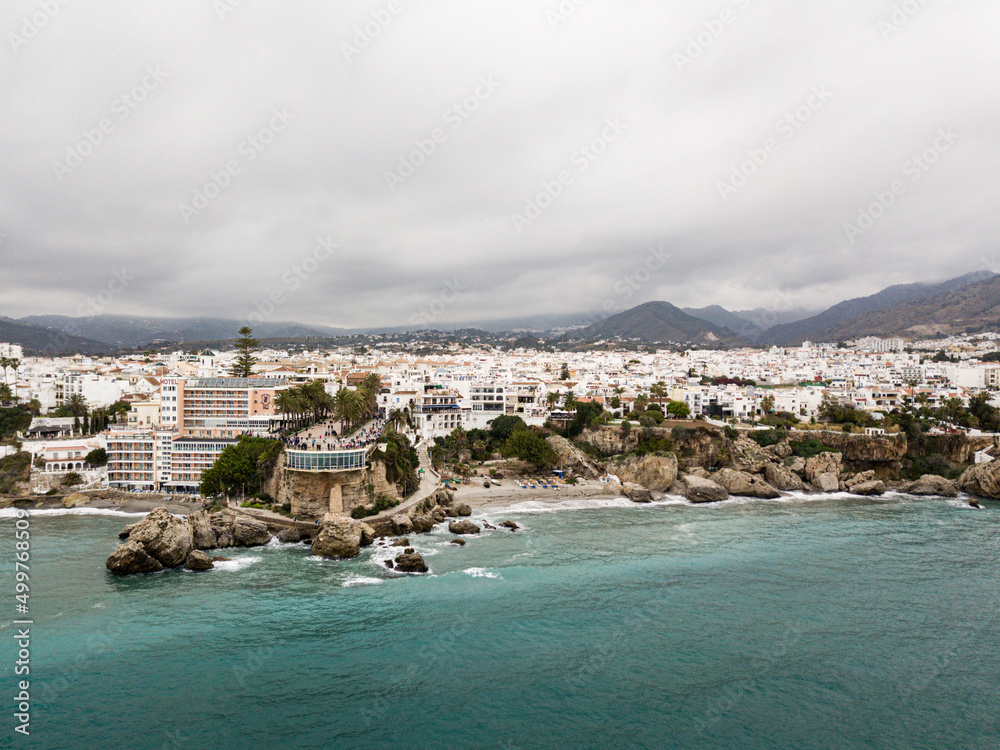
(397, 418)
(658, 390)
(348, 408)
(287, 403)
(641, 402)
(552, 398)
(15, 365)
(76, 405)
(4, 364)
(569, 399)
(5, 394)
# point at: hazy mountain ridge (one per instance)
(660, 322)
(37, 339)
(834, 323)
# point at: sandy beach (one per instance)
(508, 493)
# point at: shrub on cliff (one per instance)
(809, 448)
(764, 438)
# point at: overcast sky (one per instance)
(488, 160)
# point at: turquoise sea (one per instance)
(802, 623)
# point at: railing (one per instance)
(345, 460)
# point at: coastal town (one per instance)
(161, 419)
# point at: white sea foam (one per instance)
(238, 563)
(361, 581)
(537, 506)
(482, 573)
(12, 512)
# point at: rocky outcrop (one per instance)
(339, 537)
(164, 537)
(198, 560)
(423, 524)
(570, 457)
(931, 484)
(823, 463)
(749, 457)
(249, 532)
(401, 524)
(871, 487)
(780, 450)
(463, 527)
(202, 535)
(701, 490)
(982, 480)
(743, 484)
(655, 472)
(782, 478)
(76, 500)
(292, 536)
(509, 525)
(826, 482)
(463, 509)
(131, 557)
(636, 493)
(410, 562)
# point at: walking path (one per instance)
(429, 482)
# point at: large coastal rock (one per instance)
(637, 493)
(339, 537)
(744, 485)
(796, 464)
(749, 457)
(871, 487)
(198, 560)
(410, 562)
(293, 536)
(423, 524)
(76, 500)
(782, 478)
(982, 480)
(463, 527)
(654, 472)
(401, 524)
(780, 450)
(700, 490)
(249, 532)
(164, 537)
(823, 463)
(202, 534)
(932, 484)
(131, 557)
(827, 482)
(570, 457)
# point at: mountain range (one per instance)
(968, 303)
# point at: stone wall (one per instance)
(312, 494)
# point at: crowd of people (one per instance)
(329, 440)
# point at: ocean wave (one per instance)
(32, 512)
(482, 573)
(238, 563)
(539, 506)
(361, 581)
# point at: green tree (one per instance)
(767, 404)
(5, 394)
(564, 372)
(246, 346)
(504, 426)
(529, 446)
(679, 409)
(97, 457)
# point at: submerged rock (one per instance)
(459, 542)
(290, 536)
(131, 557)
(510, 525)
(404, 542)
(872, 487)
